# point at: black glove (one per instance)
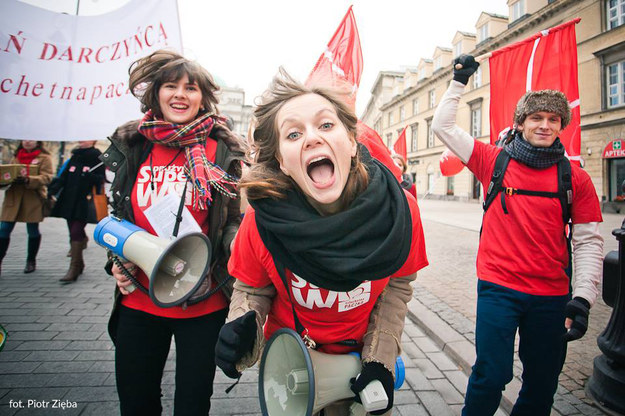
(374, 371)
(577, 309)
(236, 339)
(469, 66)
(20, 179)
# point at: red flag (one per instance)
(400, 145)
(342, 60)
(547, 60)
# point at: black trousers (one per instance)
(141, 351)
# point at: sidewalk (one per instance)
(58, 348)
(445, 298)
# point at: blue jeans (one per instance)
(6, 228)
(542, 350)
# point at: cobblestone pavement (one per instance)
(58, 348)
(447, 289)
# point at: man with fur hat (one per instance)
(523, 253)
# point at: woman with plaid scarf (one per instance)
(182, 147)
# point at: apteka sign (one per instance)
(65, 77)
(614, 149)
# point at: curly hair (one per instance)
(149, 73)
(264, 179)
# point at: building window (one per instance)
(476, 119)
(422, 72)
(390, 119)
(413, 137)
(482, 33)
(458, 49)
(438, 63)
(477, 78)
(615, 13)
(415, 106)
(377, 126)
(389, 140)
(430, 133)
(518, 10)
(432, 101)
(615, 84)
(450, 185)
(402, 113)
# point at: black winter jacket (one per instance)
(128, 150)
(75, 184)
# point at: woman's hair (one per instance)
(264, 178)
(39, 146)
(149, 73)
(403, 162)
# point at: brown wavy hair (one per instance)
(264, 179)
(149, 73)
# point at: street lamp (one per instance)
(606, 386)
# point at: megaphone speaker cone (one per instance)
(179, 270)
(296, 381)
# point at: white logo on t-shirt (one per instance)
(346, 300)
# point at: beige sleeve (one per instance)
(247, 298)
(382, 341)
(444, 123)
(587, 260)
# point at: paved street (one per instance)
(58, 348)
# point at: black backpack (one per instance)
(564, 193)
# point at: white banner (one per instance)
(65, 78)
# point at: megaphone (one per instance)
(3, 337)
(296, 381)
(175, 268)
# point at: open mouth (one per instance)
(179, 106)
(320, 170)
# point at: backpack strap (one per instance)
(496, 181)
(565, 188)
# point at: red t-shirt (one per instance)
(168, 167)
(526, 249)
(328, 315)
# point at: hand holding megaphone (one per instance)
(374, 388)
(124, 284)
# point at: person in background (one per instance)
(406, 179)
(326, 221)
(524, 253)
(83, 172)
(24, 198)
(181, 148)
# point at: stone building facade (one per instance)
(601, 67)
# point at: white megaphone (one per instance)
(296, 381)
(175, 268)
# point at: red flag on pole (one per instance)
(547, 60)
(341, 64)
(342, 60)
(400, 145)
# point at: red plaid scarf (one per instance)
(192, 137)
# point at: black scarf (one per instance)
(535, 157)
(370, 240)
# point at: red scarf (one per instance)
(26, 158)
(192, 137)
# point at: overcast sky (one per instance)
(243, 42)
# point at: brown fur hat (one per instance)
(550, 101)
